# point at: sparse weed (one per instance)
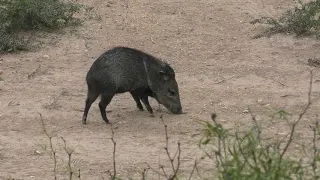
(22, 15)
(299, 21)
(70, 168)
(247, 155)
(52, 102)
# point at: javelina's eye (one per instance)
(171, 93)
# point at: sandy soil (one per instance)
(219, 67)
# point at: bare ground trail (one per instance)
(219, 67)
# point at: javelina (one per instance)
(124, 69)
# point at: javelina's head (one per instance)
(166, 89)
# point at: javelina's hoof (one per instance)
(140, 108)
(84, 120)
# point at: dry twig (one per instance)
(194, 168)
(53, 152)
(69, 159)
(315, 149)
(175, 170)
(114, 155)
(299, 119)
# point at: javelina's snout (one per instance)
(177, 110)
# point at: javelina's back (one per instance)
(120, 69)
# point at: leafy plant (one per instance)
(300, 21)
(246, 155)
(21, 15)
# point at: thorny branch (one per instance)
(69, 159)
(158, 172)
(255, 122)
(53, 152)
(219, 152)
(315, 149)
(79, 175)
(194, 168)
(114, 155)
(176, 169)
(144, 174)
(299, 119)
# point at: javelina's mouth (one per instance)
(176, 110)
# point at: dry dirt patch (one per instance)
(219, 68)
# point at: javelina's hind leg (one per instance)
(144, 99)
(91, 97)
(105, 100)
(137, 100)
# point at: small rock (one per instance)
(281, 133)
(1, 72)
(12, 103)
(46, 56)
(259, 100)
(245, 111)
(37, 152)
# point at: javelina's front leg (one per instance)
(137, 100)
(144, 99)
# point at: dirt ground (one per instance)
(219, 68)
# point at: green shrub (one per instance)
(22, 15)
(246, 155)
(300, 21)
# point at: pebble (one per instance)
(37, 152)
(1, 72)
(282, 133)
(246, 111)
(46, 56)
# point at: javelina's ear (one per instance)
(163, 75)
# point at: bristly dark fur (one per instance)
(121, 70)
